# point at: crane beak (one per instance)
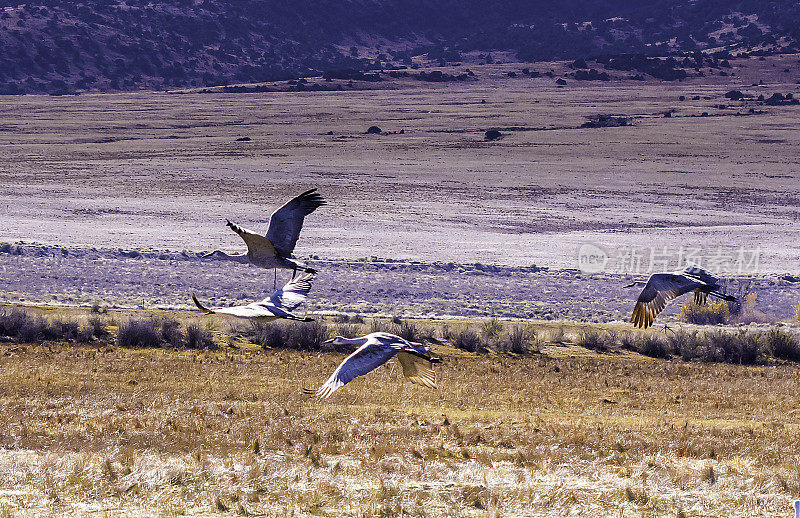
(330, 341)
(631, 285)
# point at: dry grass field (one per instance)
(107, 431)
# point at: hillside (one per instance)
(55, 46)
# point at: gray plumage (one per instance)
(278, 305)
(274, 250)
(374, 350)
(663, 287)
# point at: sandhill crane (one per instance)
(663, 287)
(274, 250)
(374, 350)
(278, 305)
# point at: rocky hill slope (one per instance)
(56, 46)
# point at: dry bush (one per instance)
(170, 331)
(198, 337)
(743, 347)
(309, 336)
(520, 339)
(685, 344)
(782, 344)
(557, 335)
(739, 348)
(97, 309)
(627, 341)
(306, 336)
(604, 120)
(650, 345)
(98, 326)
(349, 330)
(597, 340)
(409, 331)
(139, 333)
(24, 327)
(745, 312)
(468, 340)
(378, 325)
(269, 336)
(344, 319)
(12, 321)
(712, 312)
(491, 329)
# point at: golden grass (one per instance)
(108, 431)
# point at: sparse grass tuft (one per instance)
(491, 329)
(520, 339)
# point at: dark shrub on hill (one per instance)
(591, 75)
(735, 95)
(606, 121)
(492, 134)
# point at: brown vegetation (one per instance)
(168, 431)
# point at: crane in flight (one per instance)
(274, 250)
(663, 287)
(278, 305)
(374, 350)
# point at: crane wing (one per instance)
(660, 289)
(254, 310)
(365, 359)
(702, 275)
(417, 369)
(285, 223)
(258, 246)
(294, 293)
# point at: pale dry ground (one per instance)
(157, 170)
(82, 277)
(104, 431)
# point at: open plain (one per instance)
(110, 200)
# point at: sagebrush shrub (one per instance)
(469, 340)
(139, 333)
(712, 312)
(198, 337)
